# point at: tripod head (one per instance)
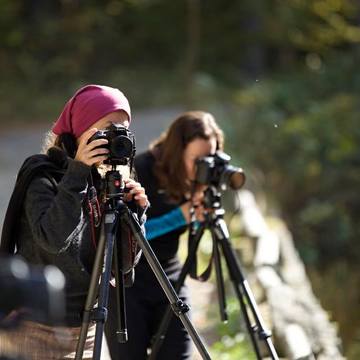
(212, 200)
(114, 185)
(126, 249)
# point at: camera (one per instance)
(37, 293)
(121, 144)
(215, 170)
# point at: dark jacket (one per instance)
(52, 224)
(165, 246)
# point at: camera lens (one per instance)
(233, 177)
(121, 147)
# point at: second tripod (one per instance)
(216, 224)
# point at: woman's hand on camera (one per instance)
(136, 192)
(91, 153)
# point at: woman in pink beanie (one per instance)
(54, 213)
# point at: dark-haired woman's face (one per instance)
(195, 150)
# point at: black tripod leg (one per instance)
(91, 297)
(240, 282)
(178, 306)
(240, 296)
(101, 312)
(219, 279)
(121, 333)
(165, 322)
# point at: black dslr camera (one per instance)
(121, 143)
(215, 170)
(38, 292)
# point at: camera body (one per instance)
(38, 291)
(215, 170)
(121, 144)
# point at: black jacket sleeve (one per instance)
(56, 216)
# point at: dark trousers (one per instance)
(146, 303)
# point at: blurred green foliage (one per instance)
(302, 131)
(299, 134)
(52, 46)
(281, 77)
(233, 344)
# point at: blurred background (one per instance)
(282, 78)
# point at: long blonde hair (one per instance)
(49, 141)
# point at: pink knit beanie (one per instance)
(88, 105)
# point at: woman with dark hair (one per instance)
(167, 171)
(54, 213)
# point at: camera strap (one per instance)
(204, 276)
(194, 227)
(94, 210)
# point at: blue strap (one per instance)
(164, 224)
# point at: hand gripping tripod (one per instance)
(221, 242)
(116, 216)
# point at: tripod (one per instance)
(117, 214)
(221, 243)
